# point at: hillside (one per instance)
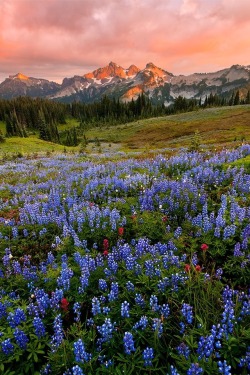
(216, 127)
(222, 126)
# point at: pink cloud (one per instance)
(188, 6)
(58, 38)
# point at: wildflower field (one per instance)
(134, 266)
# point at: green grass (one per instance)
(2, 127)
(70, 123)
(29, 145)
(244, 162)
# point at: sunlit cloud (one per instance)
(60, 38)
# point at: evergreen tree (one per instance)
(231, 100)
(9, 128)
(237, 98)
(205, 102)
(195, 141)
(42, 126)
(247, 101)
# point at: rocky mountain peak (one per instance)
(111, 70)
(20, 76)
(113, 64)
(156, 70)
(132, 70)
(150, 65)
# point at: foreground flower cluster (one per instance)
(133, 266)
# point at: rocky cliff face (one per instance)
(115, 81)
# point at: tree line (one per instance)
(24, 115)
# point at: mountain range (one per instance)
(114, 81)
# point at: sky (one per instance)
(54, 39)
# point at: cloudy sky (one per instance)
(54, 39)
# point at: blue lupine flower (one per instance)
(102, 284)
(206, 345)
(173, 371)
(7, 347)
(218, 273)
(178, 232)
(57, 338)
(64, 279)
(228, 317)
(21, 338)
(153, 302)
(157, 326)
(125, 309)
(142, 323)
(16, 318)
(39, 327)
(80, 353)
(237, 251)
(7, 257)
(128, 342)
(77, 311)
(84, 280)
(42, 300)
(113, 295)
(187, 312)
(17, 267)
(96, 307)
(90, 322)
(56, 298)
(46, 370)
(224, 368)
(3, 311)
(106, 310)
(76, 370)
(184, 350)
(139, 300)
(106, 362)
(182, 327)
(106, 330)
(164, 310)
(130, 286)
(149, 268)
(245, 361)
(194, 369)
(148, 356)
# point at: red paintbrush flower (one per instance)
(64, 304)
(120, 231)
(105, 253)
(198, 268)
(105, 244)
(187, 267)
(204, 247)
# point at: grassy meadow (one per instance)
(217, 126)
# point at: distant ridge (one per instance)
(158, 84)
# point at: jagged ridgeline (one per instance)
(25, 116)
